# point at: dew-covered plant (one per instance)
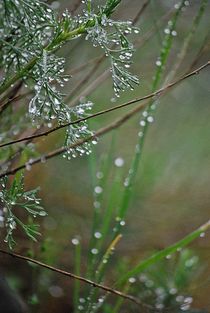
(13, 200)
(165, 283)
(34, 73)
(31, 35)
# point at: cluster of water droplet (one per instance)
(164, 292)
(47, 102)
(25, 27)
(158, 296)
(6, 218)
(111, 36)
(13, 197)
(78, 131)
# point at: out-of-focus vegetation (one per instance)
(148, 180)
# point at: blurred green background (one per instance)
(171, 195)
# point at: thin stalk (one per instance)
(154, 258)
(110, 209)
(77, 265)
(119, 302)
(100, 271)
(187, 41)
(171, 75)
(97, 209)
(165, 50)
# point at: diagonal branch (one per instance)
(155, 94)
(73, 276)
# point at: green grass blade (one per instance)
(97, 211)
(77, 265)
(143, 265)
(165, 50)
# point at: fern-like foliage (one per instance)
(12, 200)
(30, 35)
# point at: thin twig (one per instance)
(91, 87)
(76, 6)
(141, 11)
(10, 96)
(73, 276)
(149, 96)
(102, 131)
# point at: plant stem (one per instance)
(165, 50)
(77, 264)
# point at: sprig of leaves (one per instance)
(78, 131)
(13, 198)
(111, 36)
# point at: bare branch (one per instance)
(140, 12)
(76, 6)
(10, 97)
(82, 279)
(155, 94)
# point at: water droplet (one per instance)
(75, 241)
(99, 175)
(126, 182)
(185, 307)
(173, 291)
(132, 280)
(142, 123)
(167, 31)
(150, 119)
(94, 251)
(56, 291)
(100, 300)
(159, 306)
(42, 213)
(145, 113)
(119, 162)
(96, 204)
(158, 63)
(80, 307)
(179, 298)
(188, 300)
(97, 235)
(98, 189)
